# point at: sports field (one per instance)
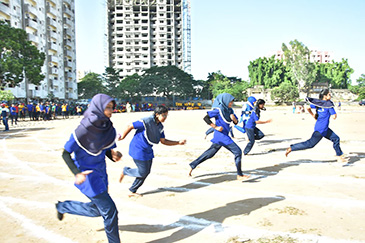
(305, 197)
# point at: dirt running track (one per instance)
(307, 197)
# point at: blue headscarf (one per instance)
(251, 100)
(152, 129)
(221, 102)
(320, 103)
(96, 132)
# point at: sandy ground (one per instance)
(305, 197)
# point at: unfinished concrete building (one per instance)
(146, 33)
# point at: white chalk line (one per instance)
(14, 160)
(33, 229)
(162, 219)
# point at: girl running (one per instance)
(149, 131)
(253, 133)
(92, 140)
(246, 113)
(224, 115)
(324, 110)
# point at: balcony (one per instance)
(68, 11)
(69, 53)
(51, 10)
(53, 35)
(31, 24)
(33, 38)
(51, 22)
(66, 34)
(68, 2)
(52, 46)
(52, 58)
(5, 8)
(68, 64)
(68, 42)
(70, 75)
(31, 9)
(68, 21)
(52, 70)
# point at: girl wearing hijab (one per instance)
(149, 131)
(224, 115)
(324, 110)
(253, 133)
(92, 140)
(246, 112)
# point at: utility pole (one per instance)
(25, 77)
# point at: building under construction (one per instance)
(146, 33)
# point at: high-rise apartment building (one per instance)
(50, 25)
(146, 33)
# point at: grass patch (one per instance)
(275, 239)
(265, 222)
(304, 231)
(290, 210)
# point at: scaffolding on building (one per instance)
(186, 36)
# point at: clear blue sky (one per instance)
(228, 34)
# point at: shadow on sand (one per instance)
(192, 224)
(20, 132)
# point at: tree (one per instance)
(6, 95)
(167, 80)
(285, 92)
(297, 58)
(90, 85)
(130, 88)
(18, 57)
(361, 80)
(336, 74)
(269, 72)
(111, 82)
(359, 89)
(222, 84)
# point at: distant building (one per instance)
(147, 33)
(50, 25)
(315, 56)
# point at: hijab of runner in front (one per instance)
(96, 132)
(320, 103)
(221, 103)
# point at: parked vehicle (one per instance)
(362, 102)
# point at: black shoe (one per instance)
(59, 215)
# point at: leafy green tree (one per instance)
(361, 80)
(337, 74)
(297, 58)
(111, 82)
(90, 85)
(6, 95)
(285, 92)
(359, 89)
(269, 72)
(18, 57)
(167, 80)
(130, 88)
(222, 84)
(361, 93)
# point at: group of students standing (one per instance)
(95, 138)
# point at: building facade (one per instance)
(50, 25)
(315, 56)
(147, 33)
